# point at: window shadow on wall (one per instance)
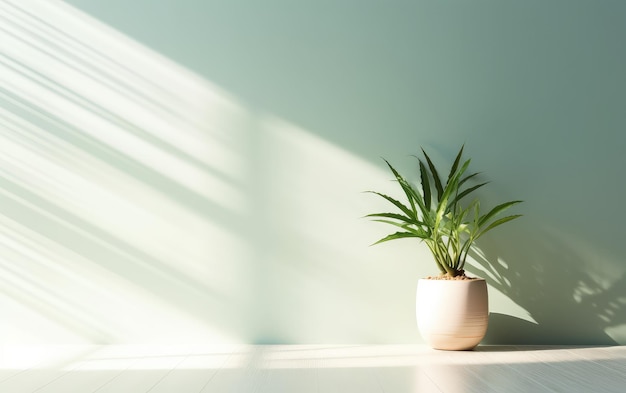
(114, 190)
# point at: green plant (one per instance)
(439, 214)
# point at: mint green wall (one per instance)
(261, 122)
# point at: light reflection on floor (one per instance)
(311, 368)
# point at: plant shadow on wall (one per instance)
(545, 275)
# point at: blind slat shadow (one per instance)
(71, 130)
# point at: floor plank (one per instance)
(310, 369)
(193, 374)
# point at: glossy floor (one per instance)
(310, 368)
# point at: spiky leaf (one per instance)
(435, 175)
(497, 223)
(397, 235)
(496, 210)
(395, 202)
(425, 185)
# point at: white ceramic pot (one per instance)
(452, 314)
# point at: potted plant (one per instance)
(452, 308)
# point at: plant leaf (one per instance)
(397, 224)
(425, 185)
(435, 175)
(406, 187)
(456, 163)
(497, 223)
(452, 187)
(397, 235)
(466, 192)
(468, 178)
(395, 202)
(399, 217)
(426, 214)
(483, 220)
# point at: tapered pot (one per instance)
(452, 314)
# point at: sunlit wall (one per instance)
(191, 171)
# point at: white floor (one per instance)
(311, 368)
